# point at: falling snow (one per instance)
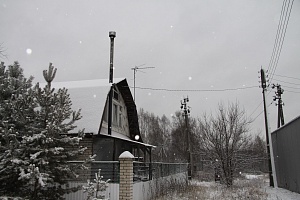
(28, 51)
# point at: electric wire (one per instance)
(286, 76)
(290, 87)
(256, 109)
(261, 112)
(280, 48)
(281, 41)
(278, 38)
(193, 90)
(286, 82)
(291, 91)
(285, 86)
(258, 105)
(277, 34)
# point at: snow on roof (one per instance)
(85, 83)
(123, 137)
(89, 96)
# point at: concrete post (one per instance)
(126, 176)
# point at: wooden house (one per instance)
(92, 97)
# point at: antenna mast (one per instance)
(135, 69)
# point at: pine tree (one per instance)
(15, 96)
(36, 129)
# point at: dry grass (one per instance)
(243, 189)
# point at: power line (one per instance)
(258, 106)
(194, 90)
(261, 112)
(291, 91)
(282, 41)
(286, 76)
(280, 31)
(256, 109)
(277, 34)
(291, 87)
(286, 82)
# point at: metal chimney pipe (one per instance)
(112, 35)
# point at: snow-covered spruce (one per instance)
(33, 125)
(96, 190)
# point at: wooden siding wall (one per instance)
(88, 143)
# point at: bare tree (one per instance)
(178, 150)
(224, 140)
(179, 141)
(155, 131)
(2, 50)
(164, 146)
(259, 153)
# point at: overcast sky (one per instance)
(193, 45)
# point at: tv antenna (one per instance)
(135, 69)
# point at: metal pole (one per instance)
(134, 73)
(134, 84)
(112, 35)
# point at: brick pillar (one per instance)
(126, 176)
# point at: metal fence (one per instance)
(148, 171)
(148, 177)
(109, 170)
(142, 171)
(286, 148)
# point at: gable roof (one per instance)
(131, 109)
(91, 95)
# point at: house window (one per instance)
(106, 113)
(115, 114)
(120, 116)
(116, 95)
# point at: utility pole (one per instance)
(135, 69)
(279, 92)
(271, 163)
(112, 35)
(186, 112)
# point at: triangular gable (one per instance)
(89, 96)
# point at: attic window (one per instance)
(116, 95)
(115, 114)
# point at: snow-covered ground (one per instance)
(275, 193)
(279, 193)
(249, 186)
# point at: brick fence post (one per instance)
(126, 176)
